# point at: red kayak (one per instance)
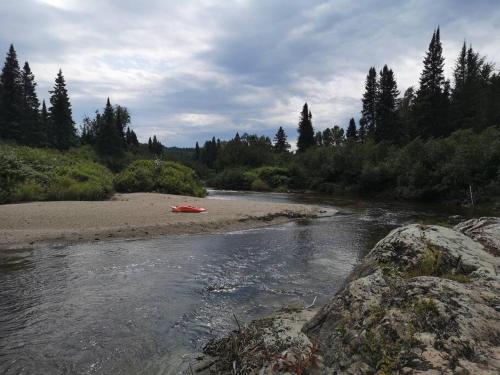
(190, 209)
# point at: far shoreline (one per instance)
(133, 216)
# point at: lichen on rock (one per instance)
(426, 299)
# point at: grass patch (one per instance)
(432, 263)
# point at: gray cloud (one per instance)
(188, 70)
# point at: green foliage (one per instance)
(422, 170)
(232, 179)
(260, 179)
(31, 174)
(160, 176)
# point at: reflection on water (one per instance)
(140, 306)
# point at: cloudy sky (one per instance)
(191, 69)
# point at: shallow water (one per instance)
(143, 306)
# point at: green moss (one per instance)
(432, 263)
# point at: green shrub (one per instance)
(232, 179)
(160, 176)
(33, 174)
(259, 185)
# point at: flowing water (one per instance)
(142, 306)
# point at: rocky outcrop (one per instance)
(425, 300)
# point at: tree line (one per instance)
(25, 121)
(423, 144)
(435, 109)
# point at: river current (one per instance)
(144, 306)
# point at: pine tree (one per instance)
(150, 145)
(45, 123)
(306, 130)
(351, 133)
(386, 110)
(470, 94)
(369, 111)
(62, 134)
(32, 132)
(281, 144)
(11, 101)
(197, 152)
(431, 103)
(133, 139)
(405, 115)
(109, 142)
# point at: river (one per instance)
(142, 306)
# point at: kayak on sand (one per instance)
(190, 209)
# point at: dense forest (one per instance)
(440, 140)
(44, 157)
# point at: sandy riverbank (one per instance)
(138, 215)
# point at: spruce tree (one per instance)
(197, 152)
(45, 123)
(306, 130)
(11, 101)
(281, 144)
(32, 132)
(431, 103)
(109, 142)
(133, 139)
(470, 93)
(369, 111)
(386, 110)
(62, 134)
(351, 133)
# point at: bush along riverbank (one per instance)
(425, 300)
(42, 174)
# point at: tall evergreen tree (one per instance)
(281, 144)
(32, 132)
(109, 142)
(45, 123)
(386, 108)
(471, 90)
(306, 130)
(351, 133)
(405, 115)
(431, 103)
(369, 111)
(11, 101)
(62, 134)
(197, 152)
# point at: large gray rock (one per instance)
(426, 299)
(484, 230)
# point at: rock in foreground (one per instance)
(426, 300)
